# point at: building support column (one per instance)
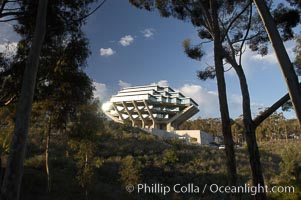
(150, 113)
(130, 115)
(140, 116)
(119, 114)
(171, 127)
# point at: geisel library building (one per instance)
(157, 109)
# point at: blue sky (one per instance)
(134, 47)
(160, 59)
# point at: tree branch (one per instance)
(10, 9)
(260, 118)
(73, 21)
(93, 11)
(246, 35)
(2, 6)
(7, 102)
(10, 1)
(9, 20)
(249, 38)
(231, 47)
(6, 14)
(205, 24)
(235, 18)
(265, 114)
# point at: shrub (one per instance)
(129, 170)
(37, 161)
(291, 165)
(169, 157)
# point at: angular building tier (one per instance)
(151, 106)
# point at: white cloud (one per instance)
(2, 47)
(256, 108)
(209, 104)
(106, 52)
(148, 32)
(126, 40)
(207, 100)
(8, 48)
(123, 84)
(101, 91)
(252, 61)
(161, 83)
(271, 58)
(7, 33)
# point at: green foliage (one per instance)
(100, 157)
(209, 125)
(297, 51)
(6, 127)
(238, 130)
(129, 170)
(104, 165)
(276, 127)
(207, 73)
(35, 162)
(193, 140)
(286, 18)
(83, 132)
(84, 157)
(291, 164)
(234, 22)
(60, 77)
(192, 52)
(169, 157)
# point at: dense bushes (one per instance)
(129, 171)
(291, 165)
(102, 163)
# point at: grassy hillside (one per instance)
(124, 155)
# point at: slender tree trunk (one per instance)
(47, 156)
(285, 130)
(226, 123)
(86, 166)
(249, 128)
(1, 170)
(250, 132)
(286, 66)
(254, 157)
(222, 95)
(14, 169)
